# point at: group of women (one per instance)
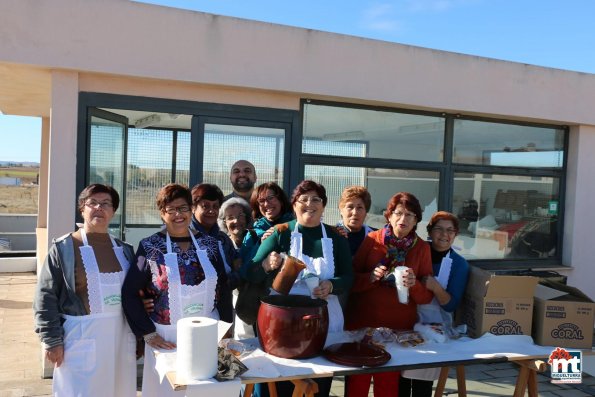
(92, 283)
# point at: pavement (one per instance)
(20, 356)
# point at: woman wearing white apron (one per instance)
(184, 275)
(451, 271)
(325, 252)
(78, 309)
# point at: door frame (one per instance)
(202, 112)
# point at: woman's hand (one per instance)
(378, 273)
(323, 290)
(267, 234)
(55, 355)
(147, 302)
(157, 342)
(272, 262)
(409, 278)
(431, 283)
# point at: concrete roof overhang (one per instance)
(26, 90)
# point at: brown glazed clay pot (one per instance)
(292, 326)
(287, 275)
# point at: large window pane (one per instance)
(479, 142)
(505, 216)
(226, 144)
(149, 169)
(380, 134)
(382, 184)
(183, 158)
(106, 153)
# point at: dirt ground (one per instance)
(19, 199)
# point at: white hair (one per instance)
(234, 201)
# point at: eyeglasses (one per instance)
(175, 210)
(232, 218)
(309, 199)
(268, 199)
(449, 231)
(103, 205)
(407, 215)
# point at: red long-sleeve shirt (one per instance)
(376, 304)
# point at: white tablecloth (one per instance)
(263, 365)
(488, 346)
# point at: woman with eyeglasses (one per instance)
(270, 207)
(182, 270)
(234, 219)
(442, 231)
(207, 200)
(373, 299)
(78, 304)
(324, 251)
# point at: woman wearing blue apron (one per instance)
(78, 305)
(448, 285)
(184, 275)
(324, 251)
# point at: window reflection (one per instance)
(479, 142)
(503, 216)
(382, 184)
(383, 134)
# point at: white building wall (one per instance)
(579, 215)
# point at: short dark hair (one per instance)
(442, 215)
(261, 191)
(98, 188)
(306, 186)
(407, 200)
(171, 192)
(206, 191)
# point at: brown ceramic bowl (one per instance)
(292, 326)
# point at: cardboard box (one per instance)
(501, 305)
(563, 316)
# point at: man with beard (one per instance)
(242, 177)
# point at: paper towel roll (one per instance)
(197, 348)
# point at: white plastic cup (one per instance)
(402, 291)
(312, 283)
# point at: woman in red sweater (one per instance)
(373, 298)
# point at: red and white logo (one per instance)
(566, 366)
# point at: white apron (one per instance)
(99, 348)
(433, 313)
(184, 301)
(324, 268)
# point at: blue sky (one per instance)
(552, 33)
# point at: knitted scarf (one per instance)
(396, 248)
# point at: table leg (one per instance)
(532, 384)
(248, 390)
(528, 377)
(441, 382)
(521, 382)
(461, 384)
(304, 388)
(272, 389)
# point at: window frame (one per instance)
(447, 170)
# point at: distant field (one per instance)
(27, 174)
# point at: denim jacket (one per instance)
(55, 292)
